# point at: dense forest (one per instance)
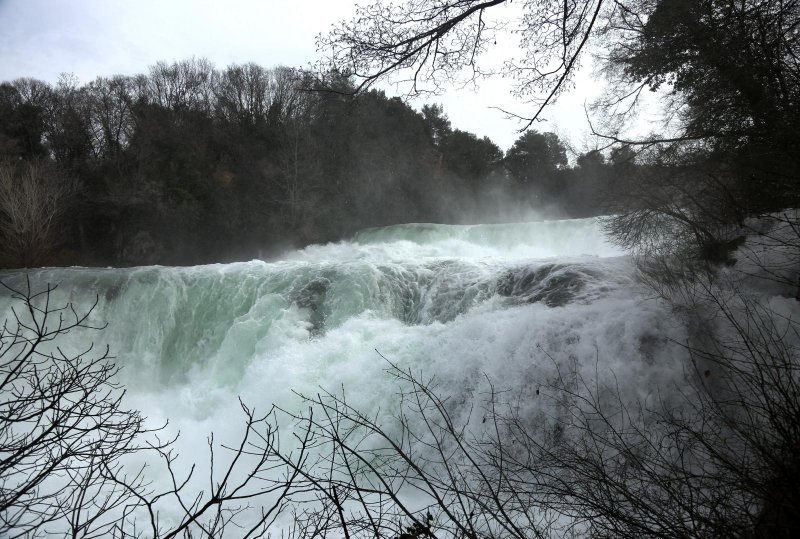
(191, 164)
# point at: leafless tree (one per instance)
(187, 84)
(431, 43)
(709, 458)
(63, 427)
(243, 499)
(33, 203)
(111, 117)
(713, 456)
(725, 72)
(242, 94)
(66, 439)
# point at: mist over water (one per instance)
(467, 305)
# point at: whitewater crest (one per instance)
(416, 292)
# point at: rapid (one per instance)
(468, 306)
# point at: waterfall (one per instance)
(468, 306)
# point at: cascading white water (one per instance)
(464, 304)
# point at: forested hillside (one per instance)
(190, 164)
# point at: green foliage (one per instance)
(592, 160)
(535, 154)
(470, 157)
(436, 122)
(731, 70)
(535, 161)
(732, 63)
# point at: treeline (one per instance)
(190, 164)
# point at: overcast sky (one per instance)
(90, 38)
